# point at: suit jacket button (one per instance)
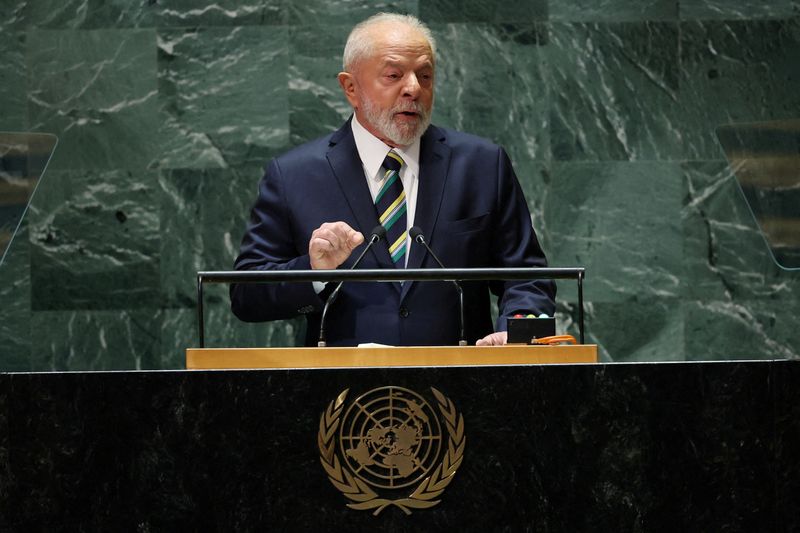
(404, 312)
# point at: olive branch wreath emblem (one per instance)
(362, 496)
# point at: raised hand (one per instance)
(331, 244)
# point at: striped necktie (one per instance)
(391, 206)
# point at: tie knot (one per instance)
(393, 161)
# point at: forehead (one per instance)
(397, 43)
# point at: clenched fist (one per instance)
(331, 244)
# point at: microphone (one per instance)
(417, 236)
(378, 233)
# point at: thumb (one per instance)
(356, 238)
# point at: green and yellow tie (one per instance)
(391, 206)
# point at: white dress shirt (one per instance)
(372, 152)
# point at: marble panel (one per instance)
(567, 317)
(613, 10)
(550, 448)
(321, 14)
(95, 241)
(224, 329)
(203, 216)
(179, 330)
(717, 330)
(179, 327)
(489, 82)
(640, 330)
(535, 178)
(15, 310)
(787, 441)
(13, 15)
(736, 9)
(232, 83)
(615, 91)
(222, 95)
(621, 221)
(96, 340)
(96, 91)
(188, 13)
(64, 14)
(480, 11)
(95, 14)
(6, 479)
(735, 71)
(714, 446)
(13, 81)
(725, 255)
(316, 103)
(656, 453)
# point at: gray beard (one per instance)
(388, 128)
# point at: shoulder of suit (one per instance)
(459, 140)
(306, 152)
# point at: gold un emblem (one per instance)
(387, 448)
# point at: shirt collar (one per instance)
(372, 151)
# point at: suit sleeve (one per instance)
(515, 245)
(269, 244)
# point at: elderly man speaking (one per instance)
(388, 165)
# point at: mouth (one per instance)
(407, 114)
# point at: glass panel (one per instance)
(23, 159)
(765, 158)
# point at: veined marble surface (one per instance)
(624, 448)
(166, 115)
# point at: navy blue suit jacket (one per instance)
(470, 207)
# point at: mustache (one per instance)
(411, 107)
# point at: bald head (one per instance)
(365, 35)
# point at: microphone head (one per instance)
(416, 233)
(377, 233)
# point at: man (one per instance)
(316, 202)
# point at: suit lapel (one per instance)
(346, 164)
(434, 162)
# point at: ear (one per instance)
(349, 88)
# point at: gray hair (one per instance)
(358, 44)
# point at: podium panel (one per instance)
(587, 447)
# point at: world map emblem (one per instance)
(390, 447)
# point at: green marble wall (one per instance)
(167, 110)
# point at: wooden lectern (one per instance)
(386, 356)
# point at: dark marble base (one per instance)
(621, 447)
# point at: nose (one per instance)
(411, 87)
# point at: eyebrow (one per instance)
(390, 63)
